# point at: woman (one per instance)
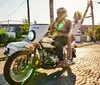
(78, 20)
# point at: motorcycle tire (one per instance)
(7, 69)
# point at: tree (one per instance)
(90, 31)
(97, 30)
(25, 28)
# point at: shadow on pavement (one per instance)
(98, 43)
(63, 77)
(2, 80)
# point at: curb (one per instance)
(3, 58)
(85, 45)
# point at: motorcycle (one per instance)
(22, 65)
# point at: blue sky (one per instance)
(39, 10)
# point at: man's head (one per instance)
(61, 13)
(77, 16)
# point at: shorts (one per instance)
(61, 39)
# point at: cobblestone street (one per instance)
(85, 71)
(87, 67)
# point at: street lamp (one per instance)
(88, 16)
(98, 2)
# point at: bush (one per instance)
(18, 35)
(25, 28)
(4, 38)
(11, 39)
(97, 32)
(90, 32)
(2, 31)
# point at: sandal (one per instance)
(60, 64)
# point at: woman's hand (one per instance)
(90, 3)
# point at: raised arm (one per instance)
(88, 5)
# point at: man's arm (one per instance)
(89, 4)
(68, 25)
(51, 28)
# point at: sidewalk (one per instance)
(84, 44)
(87, 43)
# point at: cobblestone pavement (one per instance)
(85, 71)
(87, 67)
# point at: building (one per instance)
(84, 28)
(16, 27)
(11, 27)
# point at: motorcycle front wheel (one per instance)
(17, 69)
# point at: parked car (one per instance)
(78, 36)
(78, 32)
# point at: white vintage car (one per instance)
(13, 47)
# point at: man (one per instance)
(60, 32)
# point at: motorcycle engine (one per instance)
(51, 60)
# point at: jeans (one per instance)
(60, 41)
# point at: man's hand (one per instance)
(50, 36)
(31, 46)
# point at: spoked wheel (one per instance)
(18, 68)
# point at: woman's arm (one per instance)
(69, 50)
(89, 4)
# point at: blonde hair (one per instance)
(78, 14)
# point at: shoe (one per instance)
(69, 62)
(60, 64)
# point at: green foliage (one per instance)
(10, 39)
(18, 35)
(4, 38)
(90, 32)
(2, 31)
(25, 28)
(97, 32)
(20, 39)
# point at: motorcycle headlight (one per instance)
(5, 48)
(31, 35)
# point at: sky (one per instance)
(39, 10)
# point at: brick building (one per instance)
(84, 28)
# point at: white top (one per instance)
(75, 27)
